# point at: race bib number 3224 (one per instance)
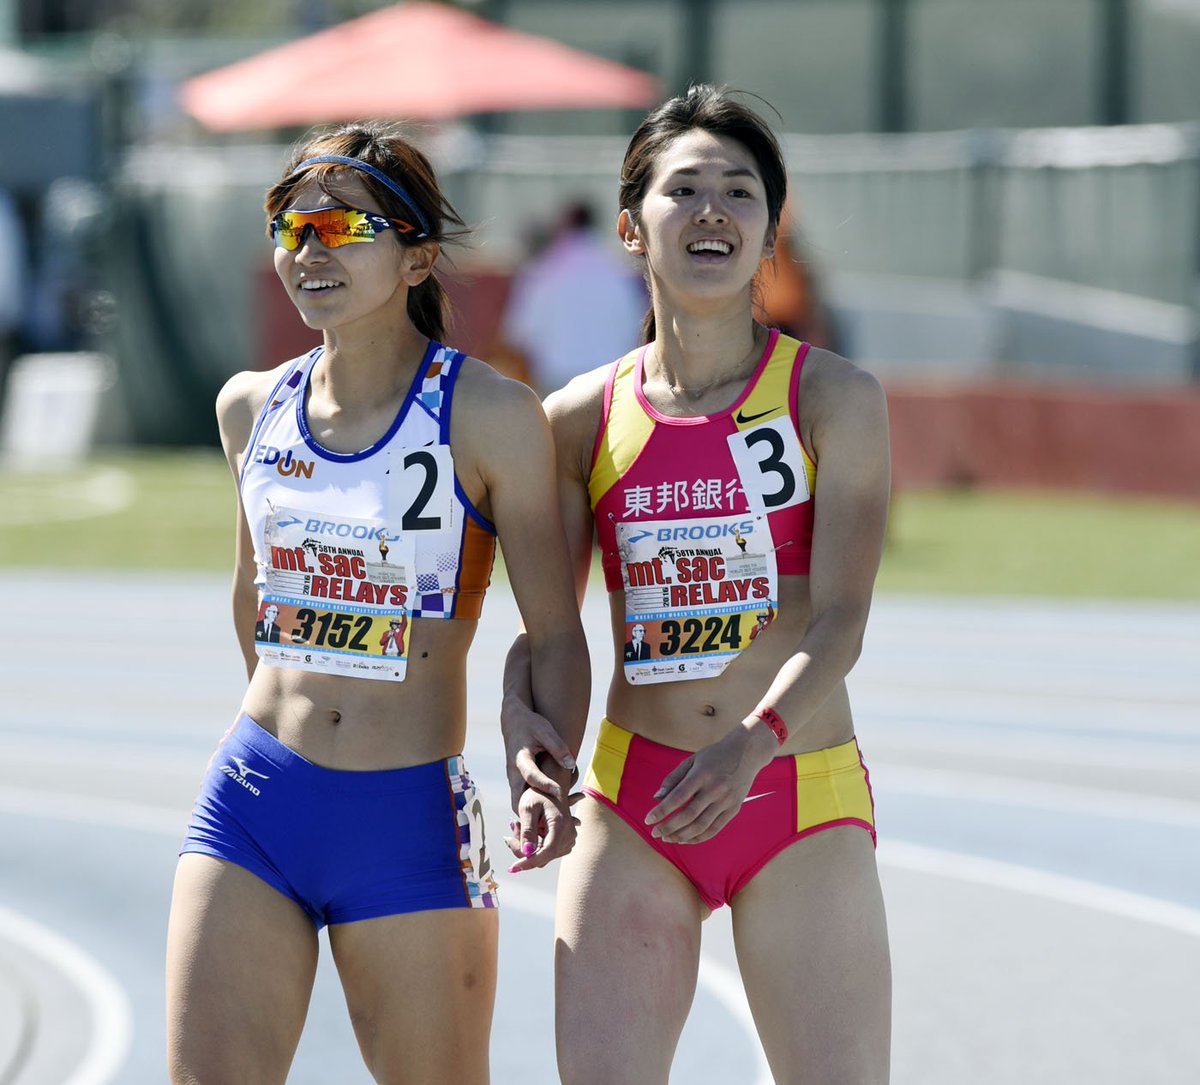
(697, 592)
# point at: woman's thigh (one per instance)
(626, 956)
(421, 988)
(240, 965)
(812, 945)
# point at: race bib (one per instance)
(335, 596)
(697, 592)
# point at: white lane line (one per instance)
(722, 983)
(1164, 721)
(22, 1022)
(1040, 883)
(896, 734)
(1035, 794)
(111, 1035)
(1085, 697)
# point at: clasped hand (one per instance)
(540, 770)
(705, 791)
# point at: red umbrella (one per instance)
(418, 60)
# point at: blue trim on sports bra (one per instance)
(472, 511)
(351, 457)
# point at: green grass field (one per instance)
(174, 510)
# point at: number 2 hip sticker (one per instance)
(770, 465)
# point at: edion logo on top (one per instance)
(285, 464)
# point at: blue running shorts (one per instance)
(343, 845)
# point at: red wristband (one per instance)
(771, 718)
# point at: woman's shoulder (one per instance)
(492, 412)
(487, 391)
(838, 397)
(581, 398)
(241, 400)
(576, 412)
(829, 380)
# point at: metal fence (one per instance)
(1101, 209)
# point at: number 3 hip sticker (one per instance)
(770, 465)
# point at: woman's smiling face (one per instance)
(704, 224)
(335, 287)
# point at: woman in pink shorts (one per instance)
(736, 483)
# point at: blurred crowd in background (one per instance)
(981, 192)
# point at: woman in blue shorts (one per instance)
(375, 475)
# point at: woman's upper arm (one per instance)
(510, 439)
(238, 405)
(574, 415)
(849, 435)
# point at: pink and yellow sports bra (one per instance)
(696, 518)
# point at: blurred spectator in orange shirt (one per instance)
(788, 290)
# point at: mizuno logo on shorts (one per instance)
(238, 772)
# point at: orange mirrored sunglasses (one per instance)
(334, 226)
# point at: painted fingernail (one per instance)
(527, 849)
(568, 763)
(514, 870)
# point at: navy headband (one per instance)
(379, 175)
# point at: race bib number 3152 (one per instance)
(697, 592)
(335, 597)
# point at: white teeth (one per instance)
(711, 245)
(317, 284)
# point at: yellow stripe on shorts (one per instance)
(608, 762)
(831, 786)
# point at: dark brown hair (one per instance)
(382, 145)
(713, 109)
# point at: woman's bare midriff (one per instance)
(357, 724)
(693, 714)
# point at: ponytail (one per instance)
(648, 329)
(429, 308)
